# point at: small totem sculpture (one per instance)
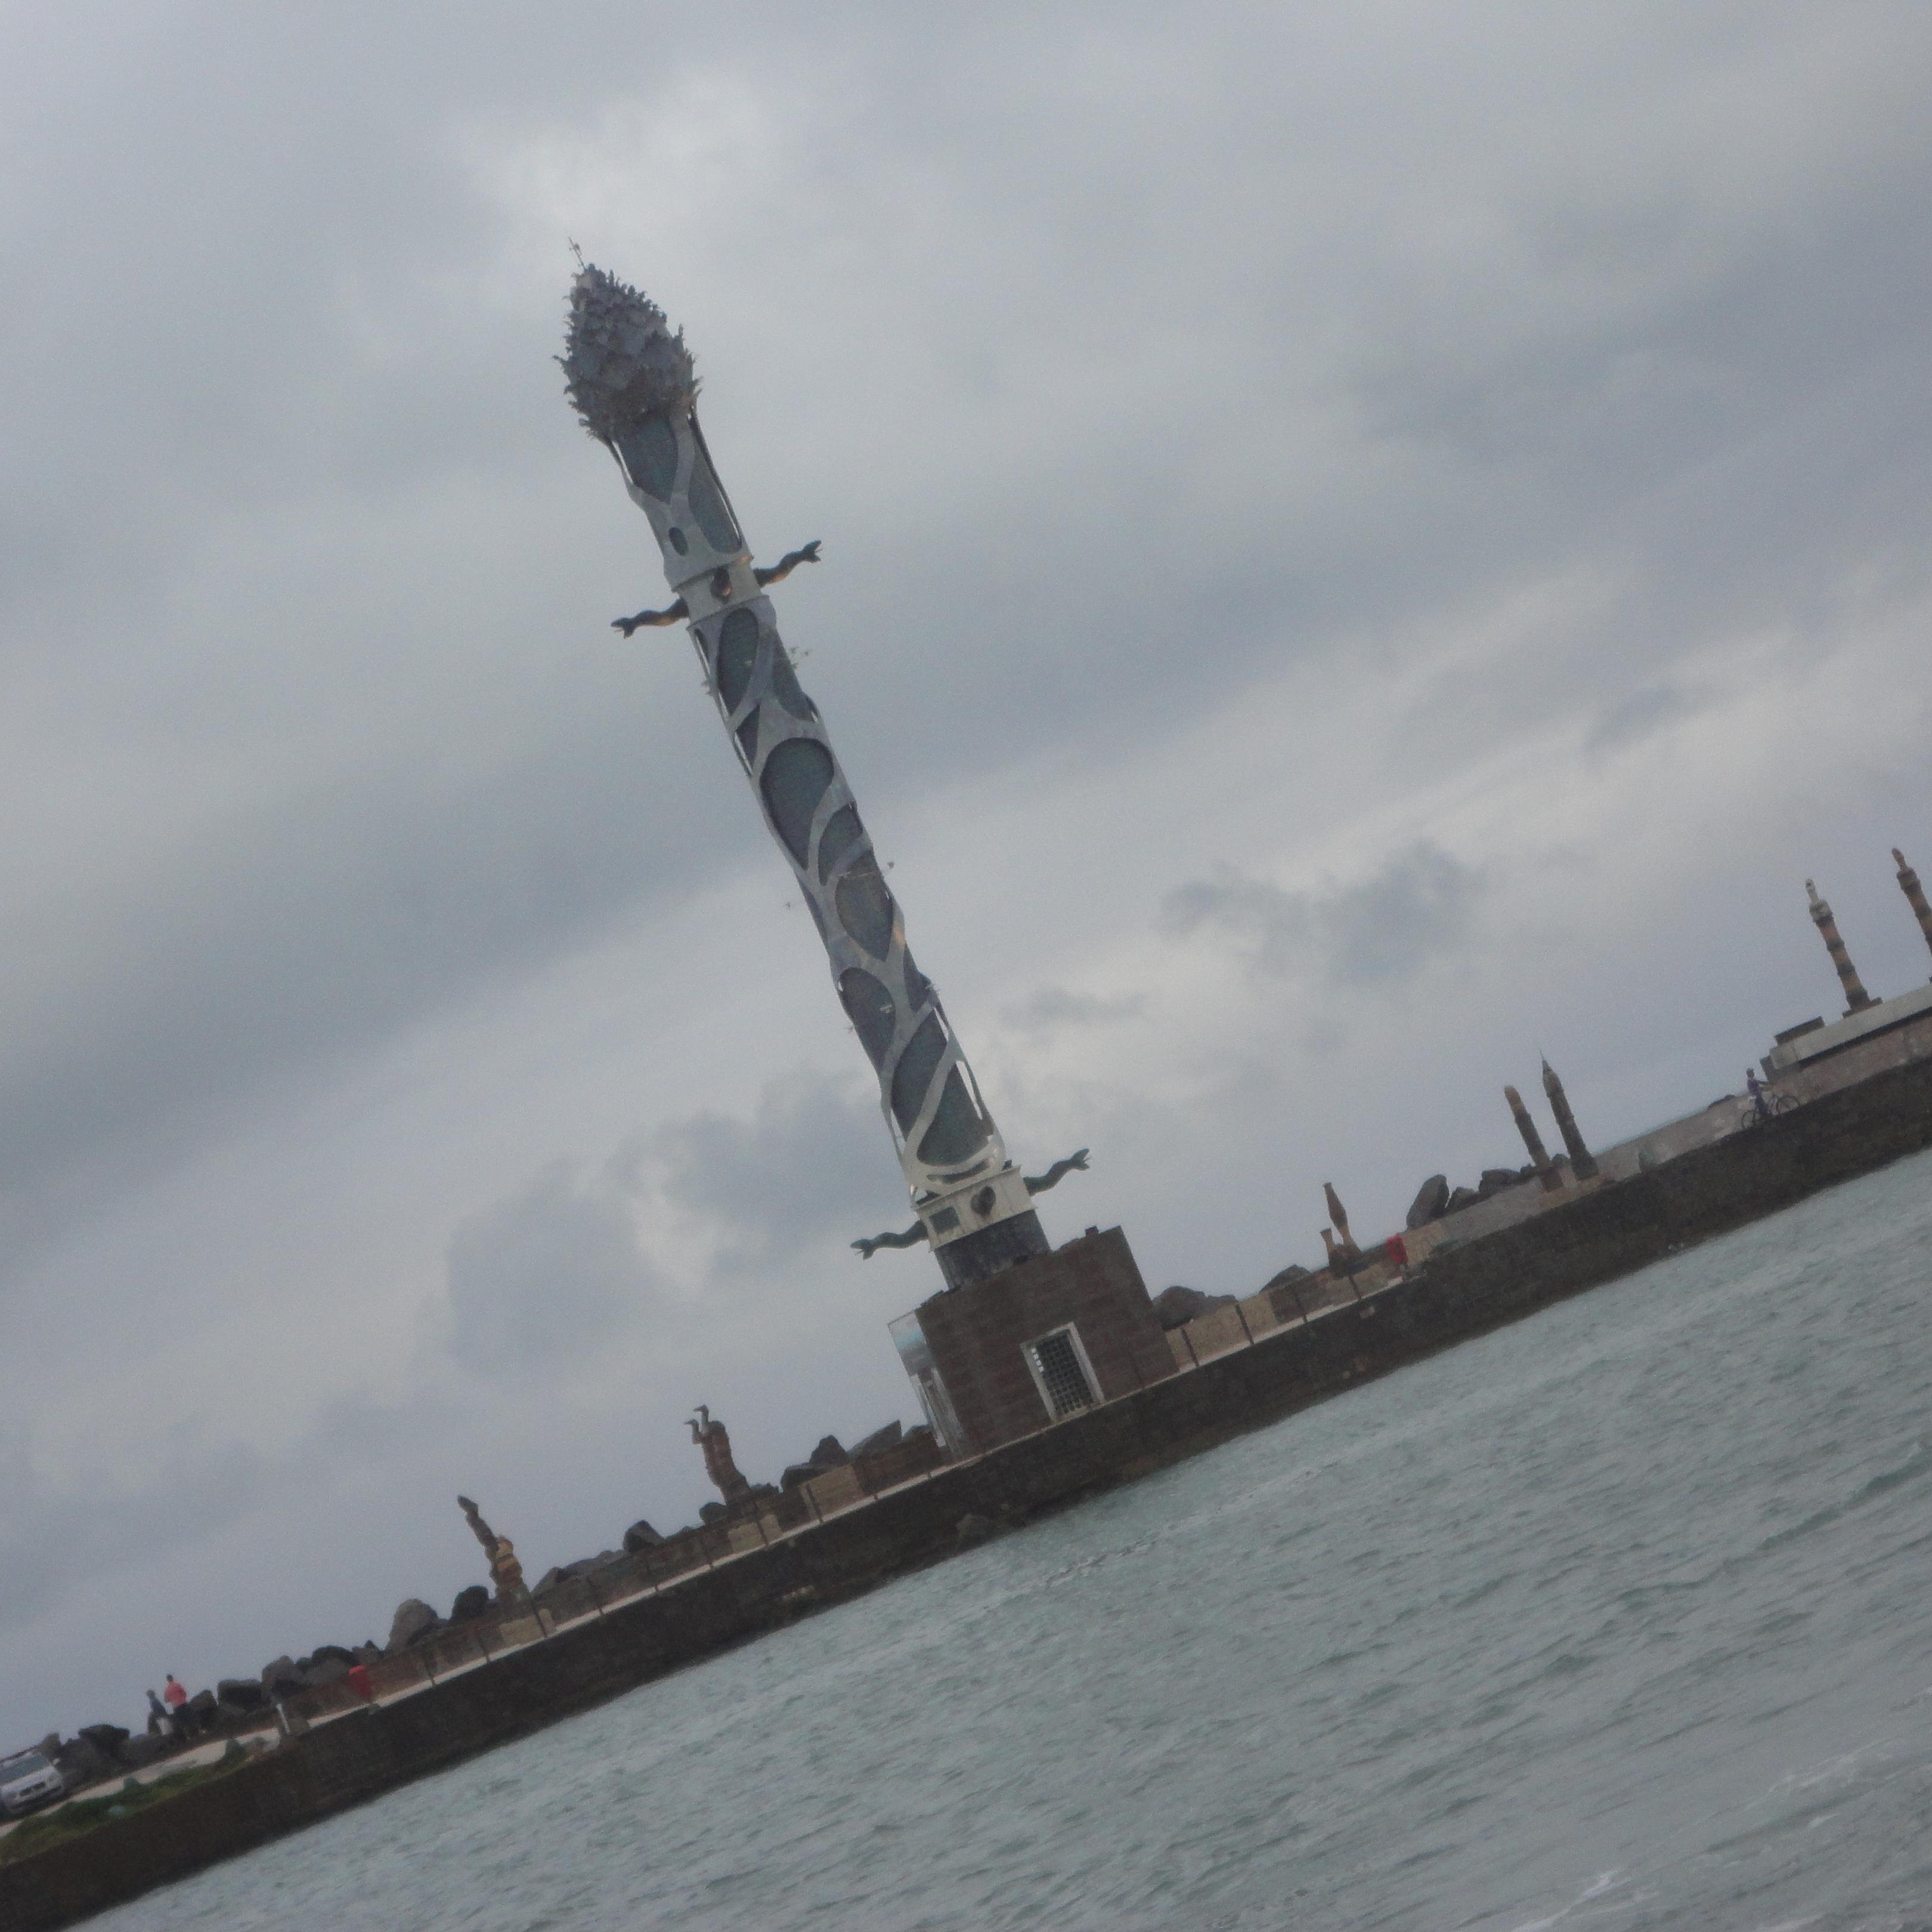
(505, 1572)
(1339, 1215)
(710, 1435)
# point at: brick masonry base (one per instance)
(978, 1334)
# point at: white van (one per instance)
(27, 1779)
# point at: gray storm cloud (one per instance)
(544, 1278)
(1422, 903)
(802, 1171)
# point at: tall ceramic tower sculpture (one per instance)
(632, 381)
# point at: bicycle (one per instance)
(1764, 1103)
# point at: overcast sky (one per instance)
(1361, 543)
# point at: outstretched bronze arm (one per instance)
(1038, 1184)
(628, 624)
(783, 569)
(911, 1238)
(1035, 1183)
(790, 562)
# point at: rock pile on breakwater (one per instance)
(97, 1752)
(1436, 1198)
(416, 1622)
(831, 1454)
(101, 1751)
(1174, 1307)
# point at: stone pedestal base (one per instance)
(1043, 1339)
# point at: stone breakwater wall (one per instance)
(1458, 1292)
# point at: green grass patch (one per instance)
(45, 1829)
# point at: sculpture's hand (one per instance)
(790, 562)
(1038, 1184)
(911, 1238)
(628, 624)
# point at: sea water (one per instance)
(1619, 1618)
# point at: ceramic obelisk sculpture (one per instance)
(1583, 1162)
(1532, 1141)
(1915, 895)
(630, 380)
(1856, 998)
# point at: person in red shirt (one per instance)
(176, 1696)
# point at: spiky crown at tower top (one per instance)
(633, 384)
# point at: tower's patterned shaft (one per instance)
(630, 380)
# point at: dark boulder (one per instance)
(640, 1536)
(830, 1453)
(1463, 1197)
(566, 1572)
(142, 1750)
(711, 1512)
(282, 1677)
(328, 1653)
(240, 1693)
(198, 1713)
(799, 1473)
(472, 1602)
(887, 1437)
(81, 1763)
(413, 1619)
(110, 1740)
(1284, 1293)
(1174, 1307)
(331, 1669)
(1495, 1179)
(1431, 1201)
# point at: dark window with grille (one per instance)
(1062, 1377)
